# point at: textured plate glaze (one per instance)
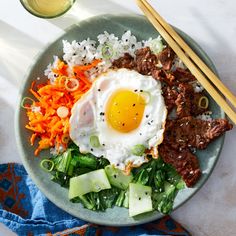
(116, 24)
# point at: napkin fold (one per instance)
(26, 211)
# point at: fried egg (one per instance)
(121, 110)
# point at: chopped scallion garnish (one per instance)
(94, 141)
(138, 150)
(47, 165)
(203, 102)
(107, 51)
(27, 105)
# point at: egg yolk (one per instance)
(124, 111)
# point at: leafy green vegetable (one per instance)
(163, 179)
(63, 164)
(94, 181)
(99, 201)
(86, 161)
(117, 177)
(164, 201)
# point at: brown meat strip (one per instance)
(184, 100)
(146, 61)
(187, 101)
(183, 76)
(192, 132)
(170, 95)
(185, 163)
(163, 76)
(166, 58)
(127, 61)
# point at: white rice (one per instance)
(205, 116)
(84, 52)
(197, 87)
(48, 72)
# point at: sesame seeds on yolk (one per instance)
(124, 111)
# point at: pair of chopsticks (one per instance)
(192, 61)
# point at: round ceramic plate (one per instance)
(92, 27)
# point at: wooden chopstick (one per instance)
(204, 68)
(154, 19)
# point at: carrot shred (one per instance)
(50, 129)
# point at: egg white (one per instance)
(88, 119)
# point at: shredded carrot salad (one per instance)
(49, 120)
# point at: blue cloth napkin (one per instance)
(26, 211)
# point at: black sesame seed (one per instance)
(126, 40)
(103, 144)
(134, 105)
(136, 90)
(115, 176)
(147, 116)
(140, 134)
(123, 124)
(149, 123)
(141, 90)
(84, 48)
(91, 149)
(146, 193)
(133, 45)
(99, 90)
(139, 198)
(136, 114)
(152, 121)
(74, 54)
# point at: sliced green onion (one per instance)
(94, 141)
(203, 102)
(65, 138)
(146, 97)
(156, 45)
(24, 100)
(107, 51)
(71, 84)
(47, 165)
(138, 150)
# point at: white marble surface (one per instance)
(212, 23)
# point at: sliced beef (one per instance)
(183, 76)
(184, 100)
(163, 76)
(192, 132)
(146, 61)
(185, 163)
(187, 101)
(166, 58)
(170, 94)
(127, 61)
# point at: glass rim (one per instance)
(47, 17)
